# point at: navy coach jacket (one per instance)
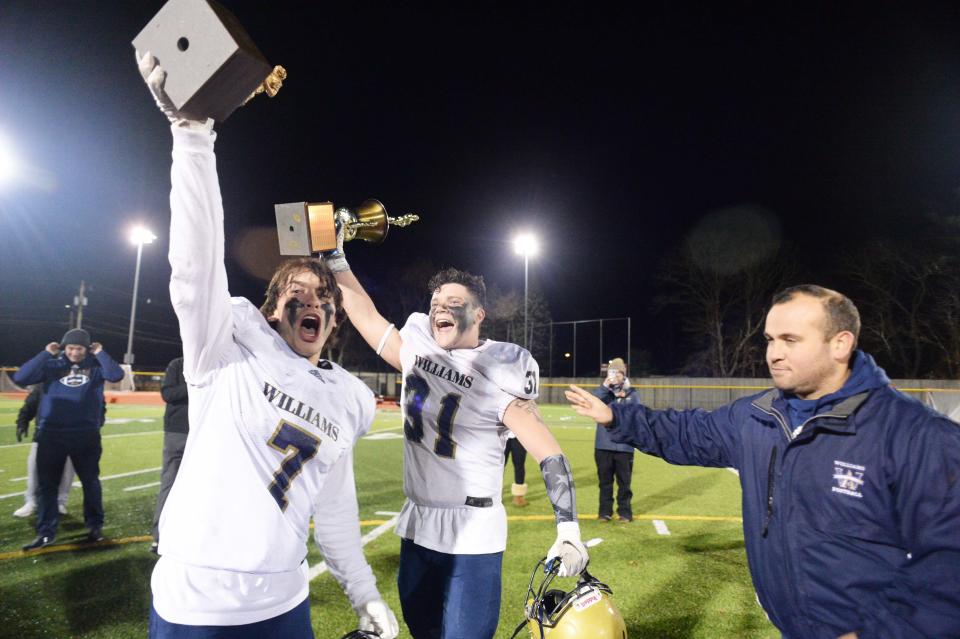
(72, 393)
(853, 524)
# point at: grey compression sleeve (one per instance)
(559, 482)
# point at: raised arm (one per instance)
(372, 326)
(198, 283)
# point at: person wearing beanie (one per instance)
(72, 373)
(614, 460)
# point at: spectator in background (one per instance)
(175, 429)
(27, 413)
(69, 419)
(516, 450)
(614, 460)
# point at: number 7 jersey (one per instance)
(453, 404)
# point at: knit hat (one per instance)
(617, 364)
(76, 336)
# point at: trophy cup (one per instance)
(212, 64)
(305, 228)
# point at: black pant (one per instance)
(53, 448)
(610, 464)
(173, 445)
(515, 448)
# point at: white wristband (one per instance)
(383, 340)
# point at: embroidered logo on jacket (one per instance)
(849, 478)
(76, 377)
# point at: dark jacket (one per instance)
(603, 440)
(72, 393)
(854, 525)
(174, 393)
(28, 411)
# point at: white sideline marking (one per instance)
(661, 527)
(319, 569)
(379, 435)
(141, 486)
(734, 471)
(130, 474)
(590, 543)
(386, 512)
(146, 432)
(21, 494)
(131, 420)
(18, 479)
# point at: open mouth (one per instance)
(309, 327)
(443, 325)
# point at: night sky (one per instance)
(609, 131)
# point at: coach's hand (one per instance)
(376, 616)
(22, 428)
(53, 348)
(588, 405)
(154, 75)
(569, 550)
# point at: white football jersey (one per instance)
(267, 430)
(453, 404)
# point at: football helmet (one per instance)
(585, 611)
(361, 634)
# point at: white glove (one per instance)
(154, 75)
(569, 549)
(376, 616)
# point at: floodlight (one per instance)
(141, 235)
(525, 244)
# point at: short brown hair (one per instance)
(840, 312)
(289, 268)
(473, 283)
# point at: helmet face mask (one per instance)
(585, 611)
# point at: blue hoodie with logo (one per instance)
(851, 503)
(72, 393)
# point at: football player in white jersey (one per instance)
(461, 394)
(272, 427)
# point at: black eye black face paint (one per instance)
(293, 306)
(328, 312)
(462, 317)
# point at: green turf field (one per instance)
(690, 583)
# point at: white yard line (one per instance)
(146, 432)
(18, 478)
(661, 527)
(319, 569)
(734, 471)
(141, 486)
(130, 474)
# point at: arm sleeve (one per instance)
(109, 368)
(34, 370)
(686, 438)
(926, 485)
(30, 406)
(198, 282)
(336, 530)
(174, 388)
(604, 394)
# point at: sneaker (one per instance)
(624, 520)
(519, 501)
(603, 519)
(25, 511)
(155, 548)
(62, 508)
(41, 541)
(95, 535)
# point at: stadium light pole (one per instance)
(525, 245)
(138, 236)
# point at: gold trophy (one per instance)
(305, 228)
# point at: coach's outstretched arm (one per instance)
(682, 437)
(198, 283)
(363, 313)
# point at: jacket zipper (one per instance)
(771, 482)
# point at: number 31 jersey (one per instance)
(453, 404)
